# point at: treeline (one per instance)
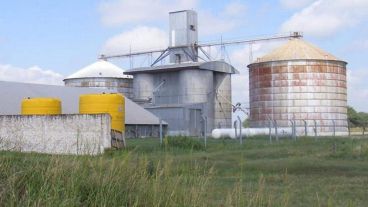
(357, 119)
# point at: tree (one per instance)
(363, 120)
(357, 119)
(353, 117)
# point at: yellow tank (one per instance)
(41, 106)
(113, 104)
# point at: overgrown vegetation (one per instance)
(357, 119)
(246, 123)
(306, 172)
(183, 142)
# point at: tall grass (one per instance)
(96, 181)
(183, 142)
(43, 180)
(123, 181)
(183, 173)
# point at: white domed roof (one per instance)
(100, 69)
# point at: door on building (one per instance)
(195, 122)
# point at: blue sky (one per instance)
(43, 41)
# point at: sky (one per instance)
(44, 41)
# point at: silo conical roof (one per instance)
(297, 49)
(100, 69)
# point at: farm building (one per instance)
(139, 122)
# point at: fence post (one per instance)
(276, 133)
(240, 130)
(363, 129)
(294, 129)
(349, 128)
(315, 129)
(235, 128)
(270, 126)
(205, 131)
(305, 128)
(334, 127)
(160, 131)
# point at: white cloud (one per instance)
(295, 4)
(235, 9)
(357, 88)
(210, 24)
(138, 39)
(357, 45)
(33, 74)
(326, 17)
(121, 12)
(232, 16)
(117, 12)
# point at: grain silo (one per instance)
(102, 74)
(300, 82)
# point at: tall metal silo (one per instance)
(300, 82)
(192, 96)
(102, 74)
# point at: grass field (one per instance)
(306, 172)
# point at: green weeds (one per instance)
(181, 172)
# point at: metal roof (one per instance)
(297, 49)
(218, 66)
(12, 93)
(100, 69)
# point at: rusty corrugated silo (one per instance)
(300, 82)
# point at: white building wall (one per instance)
(58, 134)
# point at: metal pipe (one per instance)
(246, 132)
(221, 43)
(292, 35)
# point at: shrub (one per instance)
(183, 142)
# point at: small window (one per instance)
(192, 27)
(177, 58)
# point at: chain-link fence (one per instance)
(300, 128)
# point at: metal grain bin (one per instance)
(300, 82)
(40, 106)
(102, 74)
(113, 104)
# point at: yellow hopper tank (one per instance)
(41, 106)
(113, 104)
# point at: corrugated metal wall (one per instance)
(301, 90)
(121, 85)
